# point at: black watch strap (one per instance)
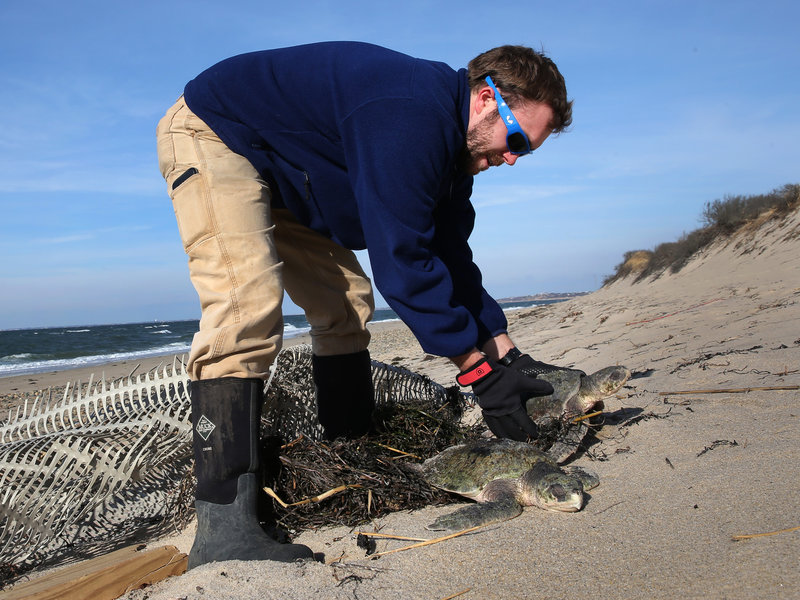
(510, 356)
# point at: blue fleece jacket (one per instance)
(361, 143)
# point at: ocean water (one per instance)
(25, 351)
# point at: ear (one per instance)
(483, 97)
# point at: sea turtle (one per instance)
(503, 476)
(574, 394)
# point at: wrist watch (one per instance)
(510, 356)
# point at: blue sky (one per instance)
(676, 104)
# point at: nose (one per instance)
(509, 158)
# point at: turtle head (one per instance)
(548, 487)
(599, 385)
(608, 381)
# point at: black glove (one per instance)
(523, 363)
(502, 393)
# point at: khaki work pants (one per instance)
(243, 254)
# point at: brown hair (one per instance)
(521, 73)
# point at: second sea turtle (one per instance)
(574, 395)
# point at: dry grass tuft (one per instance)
(634, 262)
(721, 219)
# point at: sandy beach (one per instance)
(701, 446)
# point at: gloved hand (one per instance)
(502, 393)
(514, 359)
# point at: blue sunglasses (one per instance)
(516, 140)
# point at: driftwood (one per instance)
(106, 577)
(429, 542)
(775, 388)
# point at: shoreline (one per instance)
(15, 389)
(45, 378)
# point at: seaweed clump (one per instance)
(349, 482)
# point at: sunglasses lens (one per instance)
(517, 142)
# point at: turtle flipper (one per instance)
(569, 442)
(481, 513)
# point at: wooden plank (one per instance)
(104, 578)
(771, 388)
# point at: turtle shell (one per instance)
(566, 386)
(466, 469)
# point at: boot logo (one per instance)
(204, 427)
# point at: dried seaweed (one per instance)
(709, 355)
(375, 472)
(716, 444)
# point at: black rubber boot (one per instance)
(225, 418)
(345, 395)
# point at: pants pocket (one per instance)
(192, 212)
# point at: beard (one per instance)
(476, 144)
